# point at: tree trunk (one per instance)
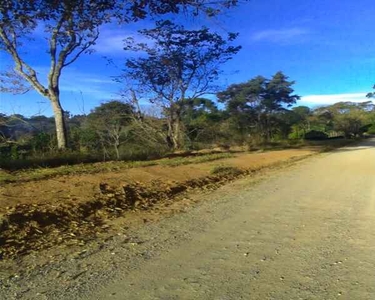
(177, 134)
(116, 146)
(174, 127)
(174, 136)
(268, 128)
(59, 122)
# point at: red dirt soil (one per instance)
(83, 187)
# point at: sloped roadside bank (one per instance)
(31, 227)
(44, 220)
(26, 228)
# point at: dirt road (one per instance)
(306, 232)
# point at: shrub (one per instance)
(316, 135)
(371, 129)
(48, 160)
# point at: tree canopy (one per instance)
(179, 64)
(253, 104)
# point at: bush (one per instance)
(316, 135)
(12, 150)
(142, 152)
(371, 129)
(48, 160)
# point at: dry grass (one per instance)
(92, 168)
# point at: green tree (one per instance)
(42, 142)
(282, 123)
(347, 118)
(179, 64)
(350, 124)
(302, 120)
(253, 104)
(200, 118)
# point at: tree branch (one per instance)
(84, 48)
(21, 64)
(53, 49)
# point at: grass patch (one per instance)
(6, 176)
(276, 145)
(92, 168)
(225, 170)
(179, 161)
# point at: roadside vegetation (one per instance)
(142, 138)
(113, 166)
(169, 100)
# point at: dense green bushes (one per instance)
(316, 135)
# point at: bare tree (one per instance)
(110, 121)
(147, 122)
(71, 28)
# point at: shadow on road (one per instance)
(363, 145)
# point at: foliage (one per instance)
(179, 65)
(254, 105)
(347, 118)
(302, 121)
(109, 121)
(371, 129)
(315, 135)
(349, 124)
(255, 115)
(42, 142)
(200, 118)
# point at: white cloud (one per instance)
(96, 87)
(97, 80)
(279, 35)
(92, 92)
(111, 41)
(314, 100)
(75, 80)
(110, 44)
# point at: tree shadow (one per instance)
(362, 145)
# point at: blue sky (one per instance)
(327, 47)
